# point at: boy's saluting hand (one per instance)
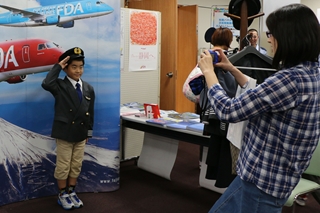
(63, 63)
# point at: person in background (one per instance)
(219, 38)
(219, 160)
(253, 36)
(223, 37)
(283, 114)
(73, 122)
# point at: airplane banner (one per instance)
(34, 33)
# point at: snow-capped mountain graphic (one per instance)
(27, 162)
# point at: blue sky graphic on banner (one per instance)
(33, 35)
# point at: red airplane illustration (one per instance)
(19, 58)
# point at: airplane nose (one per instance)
(107, 8)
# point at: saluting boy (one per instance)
(73, 122)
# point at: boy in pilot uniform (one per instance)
(73, 122)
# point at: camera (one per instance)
(246, 40)
(215, 56)
(249, 36)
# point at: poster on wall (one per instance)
(143, 46)
(220, 20)
(34, 33)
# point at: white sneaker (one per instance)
(65, 201)
(75, 200)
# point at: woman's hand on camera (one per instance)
(223, 61)
(206, 66)
(205, 62)
(226, 65)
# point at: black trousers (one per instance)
(219, 161)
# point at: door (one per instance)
(187, 53)
(25, 53)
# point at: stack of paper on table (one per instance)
(131, 108)
(181, 124)
(176, 124)
(184, 116)
(196, 127)
(128, 111)
(160, 121)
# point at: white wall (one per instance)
(313, 4)
(204, 19)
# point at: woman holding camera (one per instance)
(283, 114)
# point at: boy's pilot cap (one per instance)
(74, 53)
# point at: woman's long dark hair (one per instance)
(296, 30)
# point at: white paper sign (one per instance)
(143, 49)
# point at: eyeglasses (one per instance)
(268, 34)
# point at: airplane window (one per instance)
(98, 2)
(41, 46)
(51, 45)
